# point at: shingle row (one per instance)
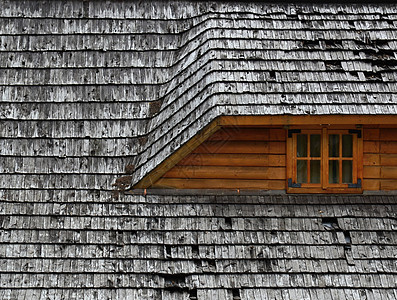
(172, 10)
(65, 25)
(265, 209)
(97, 280)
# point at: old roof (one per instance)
(208, 246)
(91, 90)
(160, 71)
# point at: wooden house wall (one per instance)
(380, 158)
(255, 158)
(246, 158)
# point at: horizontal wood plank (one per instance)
(371, 134)
(371, 147)
(388, 147)
(371, 184)
(388, 159)
(228, 172)
(389, 173)
(249, 134)
(371, 171)
(388, 134)
(242, 147)
(388, 185)
(238, 160)
(220, 184)
(370, 159)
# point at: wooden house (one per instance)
(198, 150)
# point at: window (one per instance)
(324, 160)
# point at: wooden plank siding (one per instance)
(255, 158)
(233, 158)
(380, 159)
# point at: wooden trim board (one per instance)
(308, 120)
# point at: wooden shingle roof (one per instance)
(92, 90)
(162, 71)
(212, 246)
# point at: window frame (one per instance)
(324, 186)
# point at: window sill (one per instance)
(304, 190)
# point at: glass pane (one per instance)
(301, 145)
(315, 145)
(347, 171)
(301, 169)
(314, 171)
(333, 171)
(334, 145)
(347, 145)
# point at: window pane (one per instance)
(314, 171)
(315, 145)
(347, 171)
(334, 145)
(347, 145)
(333, 171)
(301, 169)
(301, 145)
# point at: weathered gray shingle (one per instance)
(215, 244)
(197, 60)
(91, 89)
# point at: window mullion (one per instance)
(295, 160)
(340, 159)
(355, 155)
(324, 159)
(308, 159)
